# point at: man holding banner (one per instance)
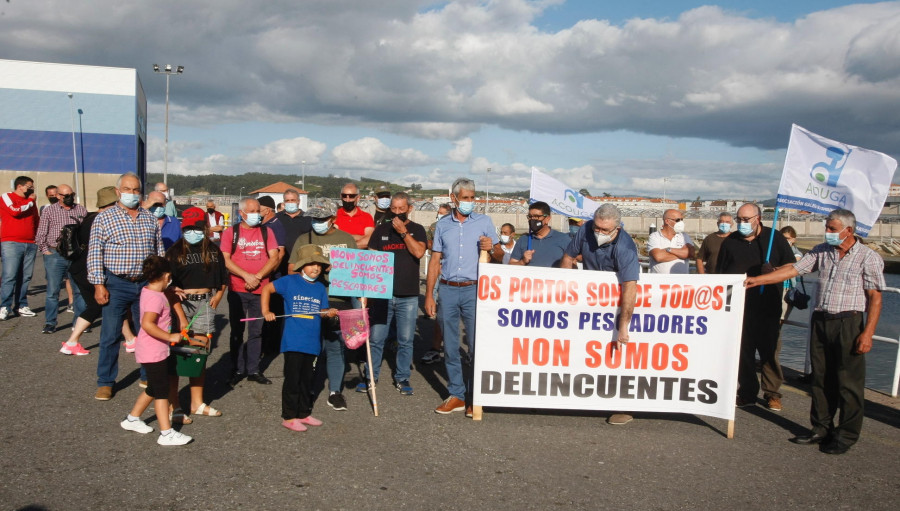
(458, 239)
(406, 240)
(605, 246)
(744, 251)
(851, 279)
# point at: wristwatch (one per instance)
(403, 235)
(669, 250)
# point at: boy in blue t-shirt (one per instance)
(306, 301)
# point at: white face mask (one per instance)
(678, 227)
(603, 239)
(504, 239)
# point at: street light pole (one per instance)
(303, 179)
(168, 72)
(241, 193)
(74, 149)
(665, 185)
(487, 195)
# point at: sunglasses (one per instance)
(349, 195)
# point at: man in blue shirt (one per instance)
(169, 226)
(543, 246)
(605, 246)
(459, 238)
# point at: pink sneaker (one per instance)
(78, 349)
(129, 346)
(294, 425)
(310, 421)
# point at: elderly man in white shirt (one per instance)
(670, 249)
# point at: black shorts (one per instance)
(158, 374)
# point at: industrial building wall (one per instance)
(107, 113)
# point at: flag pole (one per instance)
(771, 240)
(371, 370)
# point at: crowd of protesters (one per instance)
(142, 269)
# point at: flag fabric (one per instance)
(562, 199)
(821, 175)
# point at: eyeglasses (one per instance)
(349, 195)
(64, 195)
(597, 230)
(745, 219)
(536, 217)
(676, 219)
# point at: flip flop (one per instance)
(205, 409)
(185, 419)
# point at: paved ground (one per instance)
(61, 449)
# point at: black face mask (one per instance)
(53, 200)
(535, 226)
(402, 217)
(210, 210)
(29, 192)
(69, 201)
(348, 206)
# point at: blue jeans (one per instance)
(123, 295)
(333, 352)
(18, 265)
(405, 310)
(57, 268)
(456, 303)
(245, 356)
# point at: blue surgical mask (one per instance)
(130, 200)
(746, 229)
(466, 208)
(833, 238)
(724, 227)
(573, 230)
(321, 227)
(253, 219)
(193, 236)
(158, 211)
(384, 202)
(291, 207)
(307, 277)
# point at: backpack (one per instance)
(68, 245)
(236, 233)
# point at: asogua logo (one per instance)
(829, 172)
(573, 196)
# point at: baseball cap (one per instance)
(382, 189)
(321, 210)
(193, 218)
(267, 201)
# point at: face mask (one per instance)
(193, 237)
(442, 216)
(69, 201)
(253, 219)
(165, 194)
(573, 230)
(746, 229)
(724, 228)
(603, 239)
(833, 238)
(402, 216)
(466, 208)
(321, 227)
(384, 202)
(678, 227)
(504, 239)
(291, 207)
(210, 210)
(158, 211)
(307, 277)
(348, 206)
(29, 192)
(130, 200)
(53, 200)
(535, 226)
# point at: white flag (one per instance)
(561, 198)
(821, 175)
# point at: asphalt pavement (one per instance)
(62, 449)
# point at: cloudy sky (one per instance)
(611, 96)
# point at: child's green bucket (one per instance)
(191, 364)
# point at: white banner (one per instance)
(561, 198)
(543, 340)
(821, 175)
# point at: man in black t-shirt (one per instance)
(406, 240)
(295, 224)
(745, 251)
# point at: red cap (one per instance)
(193, 218)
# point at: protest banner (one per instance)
(821, 175)
(559, 197)
(361, 273)
(544, 340)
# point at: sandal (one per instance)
(179, 417)
(205, 409)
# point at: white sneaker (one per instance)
(70, 309)
(26, 312)
(4, 313)
(173, 438)
(137, 426)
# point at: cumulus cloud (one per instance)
(462, 150)
(291, 151)
(371, 154)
